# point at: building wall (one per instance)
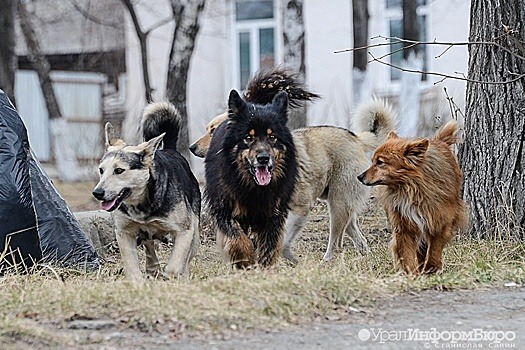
(329, 28)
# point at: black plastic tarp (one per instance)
(36, 225)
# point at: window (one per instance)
(254, 36)
(395, 26)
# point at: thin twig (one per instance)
(445, 76)
(448, 43)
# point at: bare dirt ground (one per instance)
(489, 318)
(482, 318)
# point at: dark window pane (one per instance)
(399, 3)
(266, 48)
(244, 58)
(396, 30)
(246, 10)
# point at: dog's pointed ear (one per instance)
(111, 136)
(280, 104)
(415, 150)
(236, 106)
(151, 146)
(392, 135)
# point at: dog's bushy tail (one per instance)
(263, 87)
(373, 121)
(158, 118)
(447, 133)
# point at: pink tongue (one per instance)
(263, 176)
(107, 205)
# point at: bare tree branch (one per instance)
(143, 41)
(447, 76)
(447, 43)
(92, 18)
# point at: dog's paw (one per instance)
(289, 255)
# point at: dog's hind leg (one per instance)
(292, 230)
(357, 237)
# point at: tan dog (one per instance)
(329, 158)
(200, 147)
(421, 182)
(153, 194)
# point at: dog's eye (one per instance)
(272, 138)
(101, 171)
(118, 171)
(379, 162)
(248, 139)
(211, 131)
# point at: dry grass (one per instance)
(217, 299)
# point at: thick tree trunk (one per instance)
(294, 52)
(186, 14)
(360, 82)
(64, 154)
(492, 154)
(8, 60)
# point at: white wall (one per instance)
(329, 28)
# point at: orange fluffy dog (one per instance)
(421, 196)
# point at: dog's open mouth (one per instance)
(115, 202)
(262, 174)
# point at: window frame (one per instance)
(252, 26)
(396, 13)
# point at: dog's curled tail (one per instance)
(447, 133)
(373, 121)
(266, 84)
(158, 118)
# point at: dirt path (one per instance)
(437, 316)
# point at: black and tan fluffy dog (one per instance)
(251, 171)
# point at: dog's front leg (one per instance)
(185, 245)
(293, 227)
(437, 241)
(268, 241)
(127, 244)
(235, 244)
(152, 262)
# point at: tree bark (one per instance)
(8, 59)
(64, 154)
(492, 154)
(360, 82)
(38, 59)
(294, 52)
(186, 14)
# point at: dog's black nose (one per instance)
(361, 177)
(263, 158)
(193, 148)
(98, 193)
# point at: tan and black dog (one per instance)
(153, 194)
(329, 160)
